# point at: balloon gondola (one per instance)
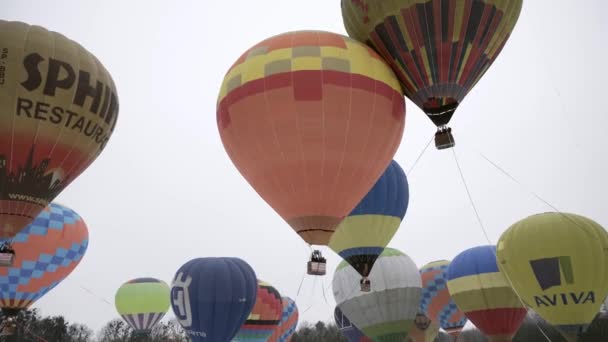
(317, 264)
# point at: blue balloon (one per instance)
(347, 328)
(212, 297)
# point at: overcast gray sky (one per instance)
(164, 190)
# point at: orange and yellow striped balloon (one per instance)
(311, 119)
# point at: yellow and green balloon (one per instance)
(142, 303)
(557, 264)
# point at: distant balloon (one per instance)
(212, 297)
(556, 263)
(289, 321)
(265, 316)
(311, 120)
(439, 49)
(364, 233)
(47, 251)
(387, 312)
(484, 294)
(348, 329)
(436, 302)
(142, 303)
(58, 109)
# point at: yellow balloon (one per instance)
(557, 263)
(58, 109)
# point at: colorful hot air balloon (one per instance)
(484, 294)
(142, 303)
(48, 250)
(58, 109)
(311, 119)
(439, 49)
(388, 311)
(212, 297)
(289, 321)
(264, 317)
(436, 302)
(348, 329)
(364, 233)
(556, 263)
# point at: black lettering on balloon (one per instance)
(79, 124)
(52, 79)
(34, 78)
(41, 108)
(71, 115)
(24, 106)
(85, 90)
(56, 115)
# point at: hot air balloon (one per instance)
(484, 294)
(439, 49)
(364, 233)
(264, 317)
(556, 263)
(48, 250)
(58, 109)
(348, 329)
(387, 312)
(142, 302)
(436, 302)
(289, 321)
(311, 120)
(212, 297)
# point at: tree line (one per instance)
(33, 327)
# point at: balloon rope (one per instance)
(323, 288)
(420, 155)
(485, 233)
(466, 187)
(300, 287)
(517, 182)
(94, 295)
(531, 192)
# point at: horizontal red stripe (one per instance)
(498, 321)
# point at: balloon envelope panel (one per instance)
(58, 109)
(364, 233)
(439, 49)
(436, 302)
(142, 302)
(552, 260)
(311, 119)
(387, 312)
(212, 297)
(483, 293)
(47, 251)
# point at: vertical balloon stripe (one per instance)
(47, 251)
(439, 49)
(298, 113)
